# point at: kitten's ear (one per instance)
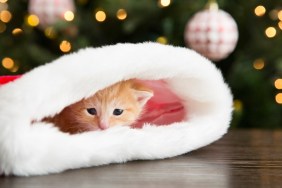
(143, 96)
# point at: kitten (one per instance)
(118, 105)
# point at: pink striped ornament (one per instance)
(213, 33)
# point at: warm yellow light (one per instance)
(164, 3)
(17, 31)
(258, 64)
(162, 40)
(50, 32)
(32, 20)
(270, 32)
(15, 68)
(278, 98)
(65, 46)
(5, 16)
(121, 14)
(69, 16)
(3, 1)
(8, 63)
(238, 105)
(260, 10)
(280, 25)
(278, 83)
(2, 27)
(100, 16)
(280, 15)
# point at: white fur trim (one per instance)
(27, 149)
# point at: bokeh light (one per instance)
(15, 68)
(69, 16)
(278, 98)
(270, 32)
(5, 16)
(100, 16)
(50, 32)
(280, 15)
(258, 64)
(162, 40)
(8, 63)
(260, 10)
(121, 14)
(17, 31)
(33, 20)
(164, 3)
(238, 105)
(65, 46)
(278, 83)
(280, 25)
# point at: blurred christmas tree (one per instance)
(37, 31)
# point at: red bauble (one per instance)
(213, 33)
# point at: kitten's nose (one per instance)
(103, 125)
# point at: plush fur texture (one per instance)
(27, 149)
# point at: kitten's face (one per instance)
(120, 104)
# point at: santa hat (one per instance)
(7, 79)
(28, 148)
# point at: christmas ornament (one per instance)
(50, 11)
(212, 32)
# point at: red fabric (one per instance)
(7, 79)
(163, 108)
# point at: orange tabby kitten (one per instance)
(120, 104)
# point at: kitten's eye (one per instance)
(92, 111)
(117, 112)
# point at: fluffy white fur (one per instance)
(27, 149)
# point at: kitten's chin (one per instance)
(90, 128)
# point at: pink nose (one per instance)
(103, 125)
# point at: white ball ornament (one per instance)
(212, 32)
(50, 11)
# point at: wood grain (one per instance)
(243, 158)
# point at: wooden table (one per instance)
(243, 158)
